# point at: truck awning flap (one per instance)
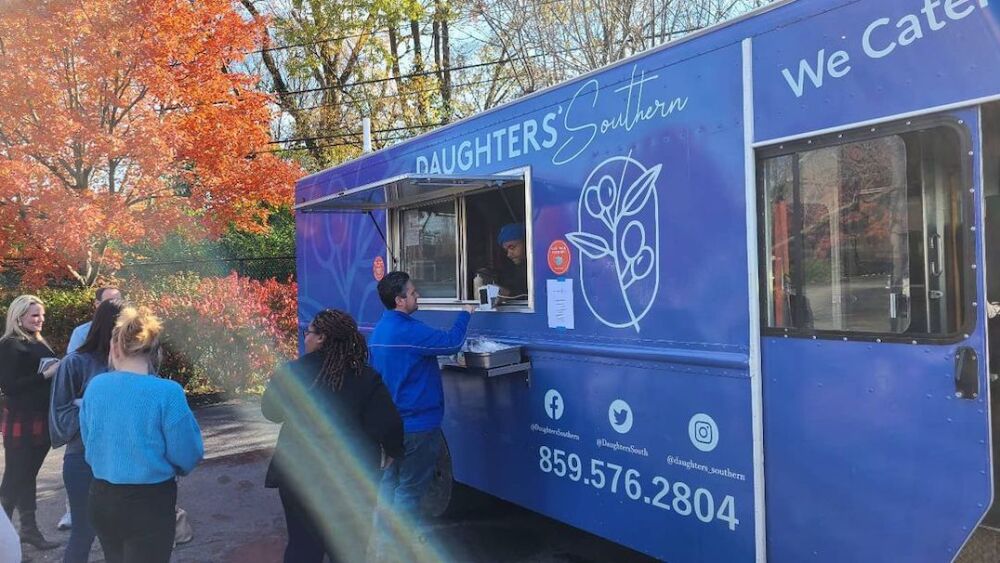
(400, 191)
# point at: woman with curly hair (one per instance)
(340, 428)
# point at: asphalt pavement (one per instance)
(235, 519)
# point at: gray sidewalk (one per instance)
(237, 520)
(234, 517)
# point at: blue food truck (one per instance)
(760, 268)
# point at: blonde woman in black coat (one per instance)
(25, 418)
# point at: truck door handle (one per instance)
(966, 373)
(937, 258)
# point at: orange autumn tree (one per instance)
(121, 121)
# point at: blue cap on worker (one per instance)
(509, 232)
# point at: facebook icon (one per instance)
(553, 404)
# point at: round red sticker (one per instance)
(378, 268)
(559, 257)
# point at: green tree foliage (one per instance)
(279, 241)
(333, 63)
(259, 254)
(411, 65)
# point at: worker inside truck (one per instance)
(497, 243)
(513, 278)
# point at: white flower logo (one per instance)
(618, 207)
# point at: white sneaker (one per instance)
(66, 522)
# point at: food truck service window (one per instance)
(454, 235)
(456, 246)
(867, 234)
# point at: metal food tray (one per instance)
(523, 367)
(489, 360)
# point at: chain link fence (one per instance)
(281, 268)
(10, 274)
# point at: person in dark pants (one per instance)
(134, 522)
(405, 351)
(339, 427)
(138, 435)
(75, 372)
(25, 380)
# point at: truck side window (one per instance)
(429, 240)
(866, 236)
(452, 246)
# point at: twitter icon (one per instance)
(620, 416)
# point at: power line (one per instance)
(299, 149)
(399, 94)
(480, 128)
(339, 136)
(409, 93)
(314, 43)
(394, 78)
(359, 35)
(462, 67)
(423, 73)
(486, 125)
(355, 133)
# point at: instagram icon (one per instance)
(703, 432)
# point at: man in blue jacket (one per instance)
(404, 351)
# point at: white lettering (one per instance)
(928, 10)
(866, 40)
(950, 9)
(530, 128)
(550, 131)
(464, 156)
(876, 45)
(837, 60)
(483, 150)
(498, 136)
(448, 169)
(815, 75)
(571, 129)
(513, 150)
(912, 30)
(558, 159)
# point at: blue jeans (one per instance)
(404, 484)
(77, 477)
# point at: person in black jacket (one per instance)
(26, 382)
(340, 428)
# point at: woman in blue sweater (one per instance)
(75, 372)
(138, 434)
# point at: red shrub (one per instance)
(224, 333)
